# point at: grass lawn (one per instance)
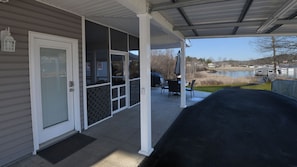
(265, 86)
(209, 88)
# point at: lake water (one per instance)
(236, 74)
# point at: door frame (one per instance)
(127, 82)
(33, 84)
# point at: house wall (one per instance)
(21, 16)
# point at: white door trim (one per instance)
(127, 81)
(33, 92)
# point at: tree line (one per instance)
(164, 61)
(274, 46)
(275, 49)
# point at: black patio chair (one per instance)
(191, 89)
(173, 87)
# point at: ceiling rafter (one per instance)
(243, 13)
(182, 12)
(292, 16)
(186, 18)
(287, 5)
(231, 24)
(218, 25)
(166, 6)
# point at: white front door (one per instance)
(51, 63)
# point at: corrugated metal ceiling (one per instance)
(194, 18)
(204, 15)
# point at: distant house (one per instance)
(211, 65)
(289, 71)
(264, 71)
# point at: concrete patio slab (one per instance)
(118, 138)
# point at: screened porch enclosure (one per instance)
(112, 71)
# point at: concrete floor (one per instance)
(118, 138)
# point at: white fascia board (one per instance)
(137, 6)
(168, 27)
(241, 35)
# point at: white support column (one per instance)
(145, 84)
(183, 75)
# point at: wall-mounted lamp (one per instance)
(7, 41)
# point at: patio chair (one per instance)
(173, 87)
(191, 89)
(164, 85)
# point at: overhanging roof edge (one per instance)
(137, 6)
(156, 16)
(141, 6)
(241, 35)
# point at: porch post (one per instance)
(183, 75)
(145, 84)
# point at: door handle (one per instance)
(71, 83)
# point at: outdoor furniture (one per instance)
(173, 87)
(191, 89)
(164, 86)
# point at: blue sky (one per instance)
(224, 48)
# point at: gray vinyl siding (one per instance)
(22, 16)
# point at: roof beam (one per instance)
(241, 35)
(186, 18)
(218, 25)
(166, 6)
(137, 6)
(182, 12)
(275, 16)
(293, 21)
(168, 27)
(231, 24)
(292, 16)
(244, 11)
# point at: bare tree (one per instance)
(163, 61)
(274, 46)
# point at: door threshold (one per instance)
(56, 140)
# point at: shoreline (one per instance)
(233, 69)
(204, 78)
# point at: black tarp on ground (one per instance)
(231, 128)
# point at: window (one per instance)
(97, 54)
(117, 65)
(133, 57)
(118, 40)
